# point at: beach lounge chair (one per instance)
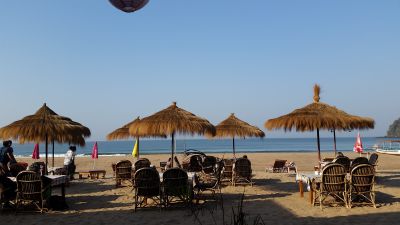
(373, 160)
(278, 167)
(362, 183)
(31, 190)
(147, 186)
(208, 164)
(123, 172)
(175, 187)
(227, 170)
(333, 183)
(209, 182)
(242, 172)
(344, 161)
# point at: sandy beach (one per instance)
(274, 197)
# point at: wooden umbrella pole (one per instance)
(319, 147)
(172, 149)
(138, 152)
(334, 140)
(47, 152)
(52, 164)
(233, 146)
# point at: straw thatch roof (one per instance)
(173, 120)
(234, 127)
(45, 123)
(318, 115)
(123, 132)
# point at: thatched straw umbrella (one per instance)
(123, 133)
(46, 125)
(234, 127)
(318, 115)
(171, 121)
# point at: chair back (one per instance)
(147, 182)
(175, 182)
(362, 178)
(123, 170)
(29, 185)
(360, 160)
(334, 178)
(344, 161)
(279, 165)
(242, 168)
(193, 163)
(209, 163)
(38, 167)
(373, 159)
(142, 163)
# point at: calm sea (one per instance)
(205, 145)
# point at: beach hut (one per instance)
(234, 127)
(44, 126)
(171, 121)
(123, 133)
(317, 116)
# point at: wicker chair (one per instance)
(278, 167)
(362, 184)
(208, 164)
(30, 189)
(373, 160)
(209, 182)
(123, 172)
(175, 186)
(147, 186)
(142, 163)
(358, 161)
(333, 183)
(242, 172)
(344, 161)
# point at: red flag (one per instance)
(95, 151)
(358, 145)
(35, 153)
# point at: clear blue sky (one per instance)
(259, 59)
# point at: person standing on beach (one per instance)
(69, 161)
(7, 156)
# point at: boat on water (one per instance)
(390, 147)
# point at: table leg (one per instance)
(301, 188)
(311, 196)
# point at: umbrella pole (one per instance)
(172, 150)
(233, 146)
(47, 152)
(138, 152)
(53, 154)
(319, 147)
(334, 140)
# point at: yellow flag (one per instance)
(135, 151)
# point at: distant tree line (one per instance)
(394, 129)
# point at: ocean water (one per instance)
(208, 146)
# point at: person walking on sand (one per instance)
(69, 162)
